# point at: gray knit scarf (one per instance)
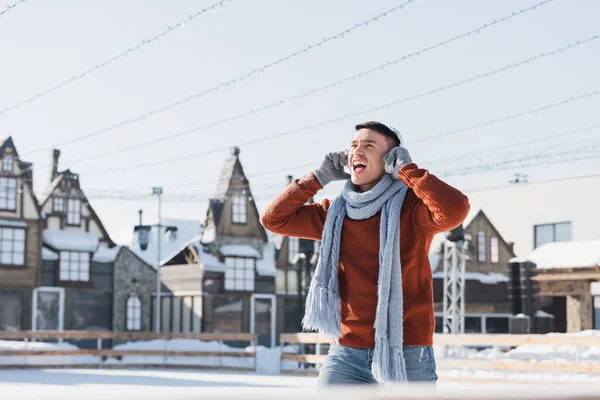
(323, 301)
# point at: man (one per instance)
(372, 291)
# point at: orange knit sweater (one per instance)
(431, 206)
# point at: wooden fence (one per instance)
(30, 336)
(499, 341)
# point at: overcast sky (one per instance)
(43, 43)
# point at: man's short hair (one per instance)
(383, 129)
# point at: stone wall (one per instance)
(132, 277)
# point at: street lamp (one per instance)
(144, 239)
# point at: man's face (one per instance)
(365, 158)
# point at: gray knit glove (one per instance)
(396, 159)
(332, 168)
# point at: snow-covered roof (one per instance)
(490, 279)
(16, 224)
(106, 255)
(266, 265)
(239, 250)
(171, 244)
(471, 216)
(48, 254)
(70, 240)
(575, 254)
(208, 261)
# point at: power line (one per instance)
(342, 118)
(105, 63)
(591, 150)
(512, 145)
(588, 152)
(510, 117)
(10, 7)
(338, 83)
(230, 82)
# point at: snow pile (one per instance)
(9, 345)
(267, 359)
(70, 240)
(533, 353)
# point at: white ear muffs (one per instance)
(400, 137)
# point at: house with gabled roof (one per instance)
(99, 286)
(487, 307)
(218, 276)
(20, 240)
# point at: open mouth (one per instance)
(358, 167)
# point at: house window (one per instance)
(7, 164)
(548, 233)
(494, 250)
(12, 246)
(238, 204)
(481, 247)
(74, 266)
(8, 193)
(74, 212)
(134, 314)
(239, 274)
(293, 248)
(59, 204)
(286, 281)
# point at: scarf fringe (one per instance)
(388, 363)
(323, 311)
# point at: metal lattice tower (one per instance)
(455, 255)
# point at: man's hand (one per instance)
(332, 168)
(396, 159)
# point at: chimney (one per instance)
(140, 212)
(290, 178)
(55, 156)
(235, 151)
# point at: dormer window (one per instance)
(74, 212)
(239, 209)
(7, 163)
(8, 193)
(59, 205)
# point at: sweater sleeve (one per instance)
(441, 207)
(289, 214)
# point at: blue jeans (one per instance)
(348, 365)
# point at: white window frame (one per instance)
(8, 161)
(240, 274)
(134, 313)
(553, 225)
(82, 272)
(55, 202)
(481, 247)
(61, 306)
(8, 193)
(494, 250)
(293, 248)
(239, 209)
(8, 242)
(74, 212)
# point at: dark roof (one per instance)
(216, 207)
(227, 173)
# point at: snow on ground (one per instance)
(268, 359)
(184, 385)
(539, 353)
